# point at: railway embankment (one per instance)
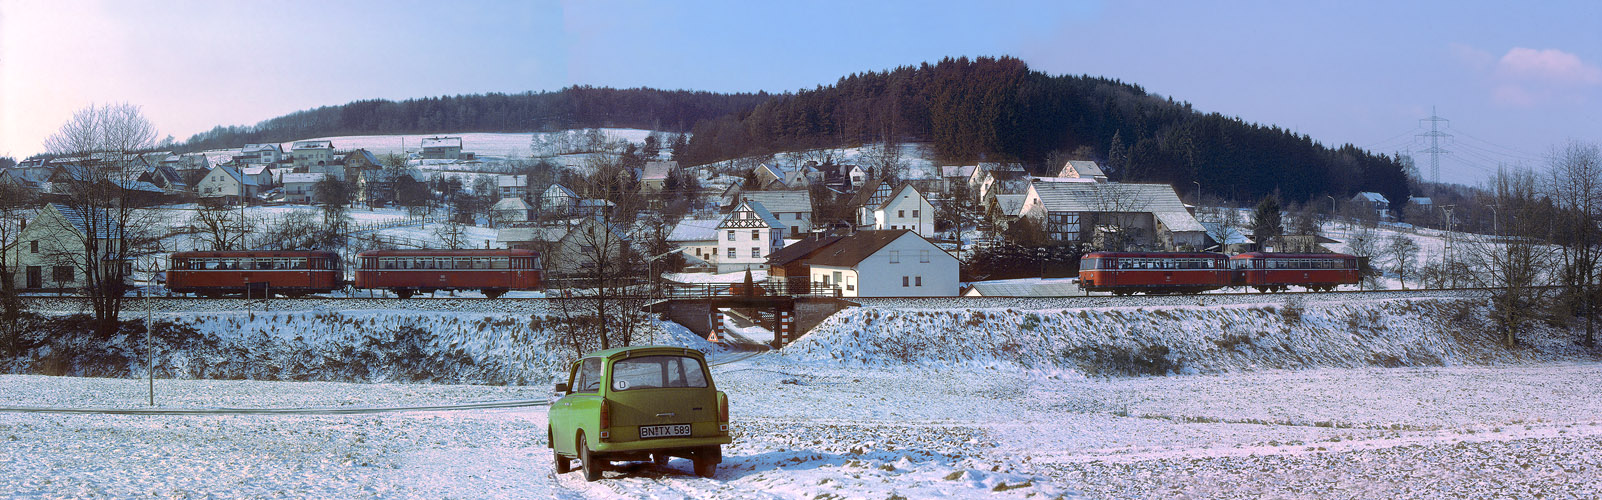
(1180, 335)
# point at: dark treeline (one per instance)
(997, 109)
(569, 108)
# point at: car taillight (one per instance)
(723, 408)
(606, 419)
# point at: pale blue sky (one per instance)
(1514, 79)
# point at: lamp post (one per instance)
(1198, 192)
(1332, 211)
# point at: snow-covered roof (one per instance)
(258, 148)
(255, 170)
(658, 170)
(105, 228)
(303, 178)
(549, 234)
(1157, 199)
(760, 211)
(1420, 200)
(781, 201)
(963, 171)
(695, 230)
(510, 204)
(511, 180)
(1011, 205)
(313, 145)
(1233, 236)
(237, 175)
(442, 142)
(1081, 168)
(1024, 288)
(1371, 197)
(558, 190)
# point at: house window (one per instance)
(837, 279)
(914, 214)
(901, 213)
(731, 252)
(61, 274)
(917, 280)
(895, 256)
(1063, 226)
(923, 256)
(756, 234)
(756, 252)
(851, 284)
(33, 246)
(731, 235)
(904, 280)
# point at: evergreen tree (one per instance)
(1267, 223)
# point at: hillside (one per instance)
(994, 109)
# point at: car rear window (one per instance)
(655, 372)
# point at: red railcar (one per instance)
(407, 272)
(1278, 271)
(1124, 273)
(285, 272)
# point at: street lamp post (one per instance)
(1198, 192)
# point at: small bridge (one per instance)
(701, 307)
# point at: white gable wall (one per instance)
(907, 210)
(878, 276)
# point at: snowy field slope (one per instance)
(804, 430)
(1157, 340)
(357, 345)
(481, 143)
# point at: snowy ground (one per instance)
(806, 430)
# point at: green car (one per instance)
(638, 403)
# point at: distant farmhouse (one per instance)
(442, 148)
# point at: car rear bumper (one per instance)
(661, 444)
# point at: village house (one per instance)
(49, 253)
(260, 154)
(568, 248)
(1373, 202)
(512, 186)
(748, 235)
(558, 200)
(1118, 216)
(654, 177)
(792, 208)
(301, 189)
(510, 212)
(1082, 169)
(697, 239)
(789, 265)
(262, 175)
(986, 175)
(442, 148)
(307, 154)
(904, 207)
(884, 264)
(224, 181)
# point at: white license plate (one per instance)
(657, 431)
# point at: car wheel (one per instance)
(705, 467)
(592, 466)
(660, 459)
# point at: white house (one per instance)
(1082, 169)
(512, 186)
(885, 264)
(1373, 201)
(49, 251)
(696, 238)
(1135, 215)
(262, 175)
(654, 178)
(442, 148)
(511, 211)
(558, 199)
(905, 208)
(747, 235)
(261, 154)
(301, 188)
(312, 153)
(225, 182)
(793, 208)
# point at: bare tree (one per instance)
(1363, 242)
(608, 283)
(1402, 251)
(221, 226)
(102, 191)
(299, 229)
(16, 203)
(1575, 187)
(1223, 223)
(1517, 263)
(452, 234)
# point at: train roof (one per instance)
(428, 252)
(1276, 255)
(255, 253)
(1156, 255)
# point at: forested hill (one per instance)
(572, 107)
(998, 109)
(985, 108)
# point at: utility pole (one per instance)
(1435, 150)
(1447, 259)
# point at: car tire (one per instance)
(592, 466)
(705, 467)
(660, 459)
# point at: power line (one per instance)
(1435, 150)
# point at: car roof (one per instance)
(631, 351)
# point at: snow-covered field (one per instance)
(819, 430)
(483, 144)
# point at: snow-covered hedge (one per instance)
(1179, 339)
(355, 346)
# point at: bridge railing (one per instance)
(767, 288)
